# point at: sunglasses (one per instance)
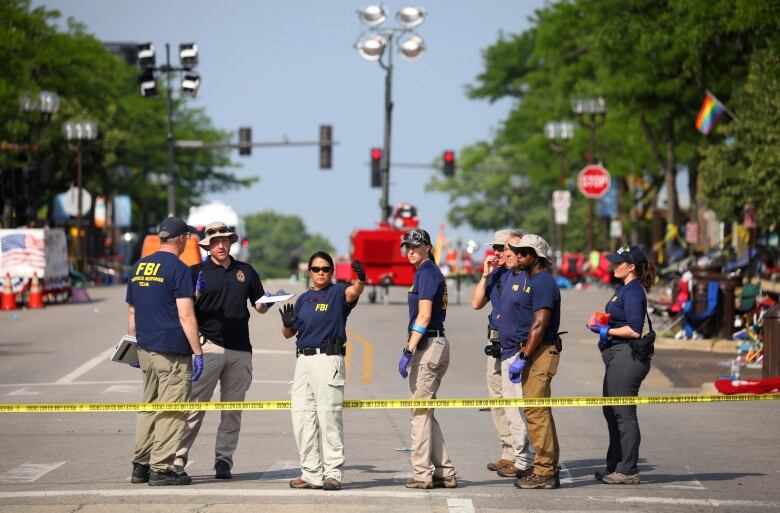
(315, 269)
(498, 247)
(414, 237)
(212, 231)
(524, 252)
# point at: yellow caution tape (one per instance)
(385, 404)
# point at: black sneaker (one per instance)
(140, 473)
(171, 478)
(222, 470)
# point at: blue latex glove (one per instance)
(136, 365)
(200, 285)
(403, 363)
(197, 366)
(516, 369)
(281, 292)
(601, 330)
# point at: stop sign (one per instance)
(593, 181)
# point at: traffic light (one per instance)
(449, 162)
(245, 140)
(376, 167)
(326, 148)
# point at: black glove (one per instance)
(288, 316)
(361, 273)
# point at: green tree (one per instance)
(743, 168)
(272, 237)
(95, 84)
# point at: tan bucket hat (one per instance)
(538, 244)
(217, 229)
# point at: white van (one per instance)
(207, 213)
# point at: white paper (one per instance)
(274, 299)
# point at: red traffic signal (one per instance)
(376, 167)
(449, 162)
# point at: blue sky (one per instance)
(285, 67)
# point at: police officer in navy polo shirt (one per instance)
(509, 330)
(489, 289)
(537, 362)
(162, 318)
(624, 372)
(319, 320)
(223, 285)
(425, 358)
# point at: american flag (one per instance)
(22, 249)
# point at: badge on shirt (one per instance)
(240, 276)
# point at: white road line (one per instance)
(460, 506)
(402, 476)
(282, 470)
(119, 382)
(86, 367)
(123, 389)
(29, 472)
(273, 351)
(691, 484)
(566, 477)
(690, 502)
(23, 391)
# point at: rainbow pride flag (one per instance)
(711, 110)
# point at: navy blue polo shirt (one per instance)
(493, 292)
(157, 281)
(527, 294)
(322, 314)
(223, 316)
(628, 306)
(428, 284)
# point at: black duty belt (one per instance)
(492, 334)
(542, 343)
(311, 351)
(423, 343)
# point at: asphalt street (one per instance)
(718, 457)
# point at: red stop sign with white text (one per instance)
(593, 181)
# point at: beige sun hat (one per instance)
(538, 244)
(217, 229)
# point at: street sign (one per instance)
(593, 181)
(72, 200)
(561, 199)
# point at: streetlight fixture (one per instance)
(147, 83)
(375, 43)
(79, 131)
(591, 113)
(558, 133)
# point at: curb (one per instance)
(704, 345)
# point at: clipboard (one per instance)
(126, 351)
(274, 299)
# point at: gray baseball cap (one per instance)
(538, 244)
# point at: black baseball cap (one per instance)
(416, 237)
(631, 254)
(174, 227)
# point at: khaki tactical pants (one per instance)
(233, 371)
(537, 375)
(429, 454)
(317, 398)
(500, 420)
(166, 378)
(523, 454)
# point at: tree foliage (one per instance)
(651, 60)
(93, 83)
(272, 237)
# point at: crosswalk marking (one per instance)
(123, 389)
(29, 472)
(282, 470)
(23, 391)
(460, 506)
(565, 475)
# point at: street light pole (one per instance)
(596, 110)
(560, 131)
(169, 137)
(79, 131)
(385, 201)
(378, 45)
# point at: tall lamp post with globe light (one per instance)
(558, 133)
(79, 131)
(591, 113)
(376, 43)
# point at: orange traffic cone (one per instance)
(9, 299)
(35, 298)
